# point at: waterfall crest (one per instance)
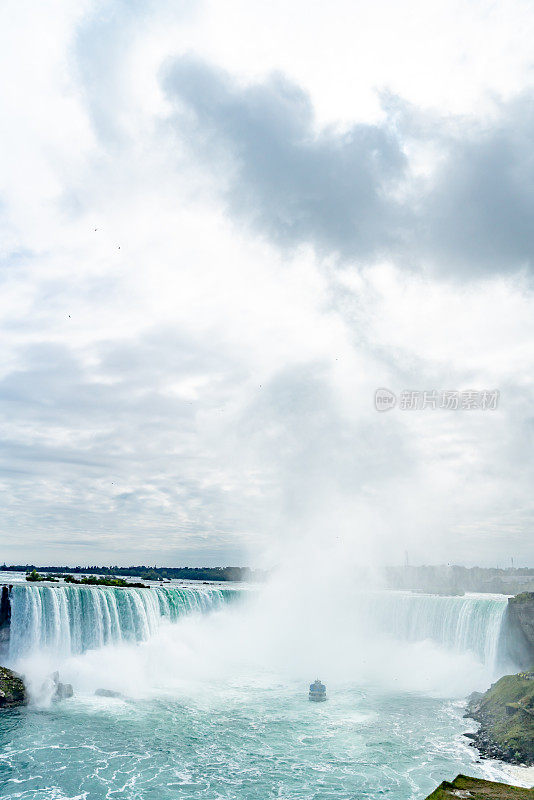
(67, 619)
(470, 623)
(73, 619)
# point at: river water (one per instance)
(214, 701)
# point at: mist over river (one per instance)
(213, 691)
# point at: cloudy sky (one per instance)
(222, 227)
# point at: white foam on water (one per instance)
(146, 641)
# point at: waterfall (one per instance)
(73, 619)
(471, 623)
(68, 619)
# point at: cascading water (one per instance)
(73, 619)
(231, 688)
(471, 623)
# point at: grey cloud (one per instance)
(80, 453)
(479, 211)
(290, 182)
(353, 193)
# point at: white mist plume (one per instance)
(289, 632)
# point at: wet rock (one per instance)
(5, 619)
(520, 629)
(12, 689)
(107, 693)
(62, 690)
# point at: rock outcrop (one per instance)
(506, 716)
(108, 693)
(12, 689)
(477, 789)
(5, 618)
(520, 629)
(62, 691)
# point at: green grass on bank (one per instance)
(477, 789)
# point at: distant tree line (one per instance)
(454, 579)
(150, 573)
(451, 579)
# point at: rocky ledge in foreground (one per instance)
(12, 691)
(506, 716)
(476, 789)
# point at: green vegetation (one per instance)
(93, 580)
(236, 574)
(506, 714)
(448, 580)
(524, 597)
(35, 577)
(90, 580)
(476, 789)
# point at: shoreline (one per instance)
(505, 713)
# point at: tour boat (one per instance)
(317, 691)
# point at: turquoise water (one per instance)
(70, 619)
(242, 742)
(215, 694)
